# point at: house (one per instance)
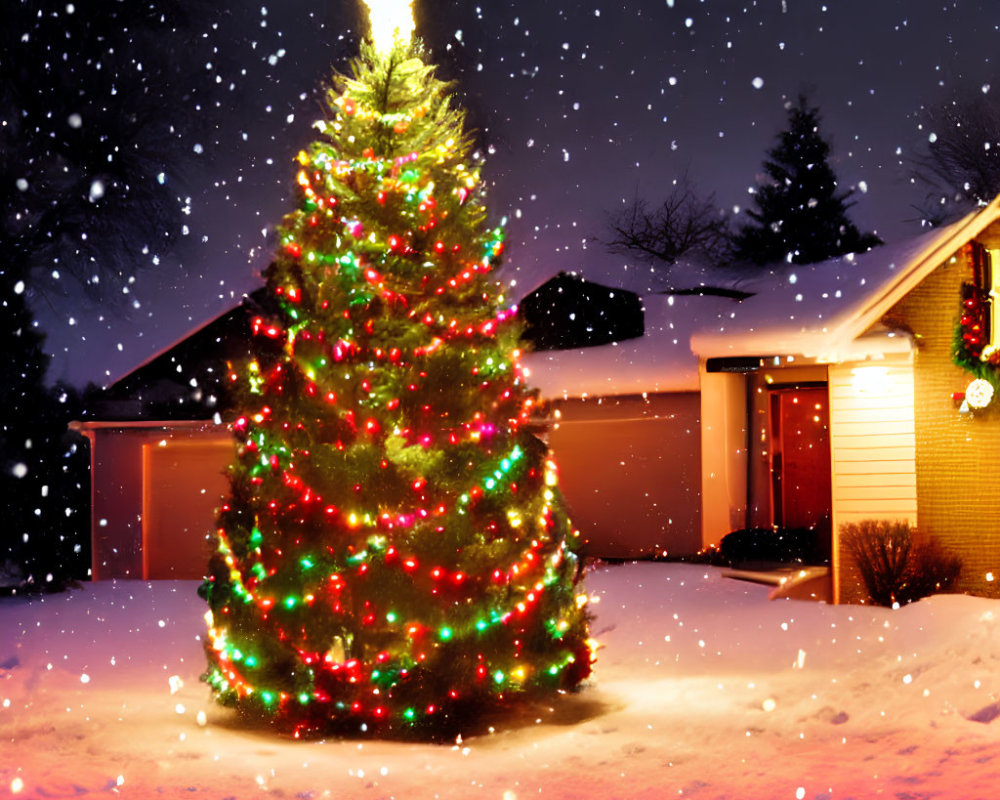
(833, 395)
(158, 450)
(160, 445)
(812, 397)
(830, 395)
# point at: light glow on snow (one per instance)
(663, 709)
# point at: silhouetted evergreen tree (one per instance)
(800, 215)
(97, 113)
(44, 491)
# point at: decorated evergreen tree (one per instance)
(395, 555)
(800, 215)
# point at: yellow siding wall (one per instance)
(872, 449)
(957, 457)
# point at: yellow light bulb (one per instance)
(390, 19)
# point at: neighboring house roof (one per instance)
(568, 312)
(831, 311)
(187, 380)
(660, 361)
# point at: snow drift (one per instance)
(703, 688)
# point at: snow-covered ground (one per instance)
(704, 688)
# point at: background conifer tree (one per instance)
(395, 554)
(85, 153)
(44, 489)
(800, 215)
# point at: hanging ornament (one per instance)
(978, 394)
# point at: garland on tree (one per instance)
(395, 555)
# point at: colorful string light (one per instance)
(395, 551)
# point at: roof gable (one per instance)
(831, 311)
(187, 380)
(569, 312)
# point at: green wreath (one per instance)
(973, 352)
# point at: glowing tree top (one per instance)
(391, 23)
(395, 555)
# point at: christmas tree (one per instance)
(395, 556)
(800, 216)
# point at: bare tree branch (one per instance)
(685, 224)
(960, 164)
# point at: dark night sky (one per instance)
(583, 105)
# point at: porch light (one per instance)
(870, 380)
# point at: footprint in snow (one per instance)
(986, 714)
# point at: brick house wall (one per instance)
(957, 456)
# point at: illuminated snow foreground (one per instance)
(703, 688)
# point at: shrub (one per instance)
(895, 565)
(772, 545)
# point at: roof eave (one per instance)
(952, 238)
(846, 333)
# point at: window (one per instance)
(980, 305)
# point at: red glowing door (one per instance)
(800, 458)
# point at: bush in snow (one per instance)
(772, 545)
(896, 565)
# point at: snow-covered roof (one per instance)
(830, 311)
(659, 361)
